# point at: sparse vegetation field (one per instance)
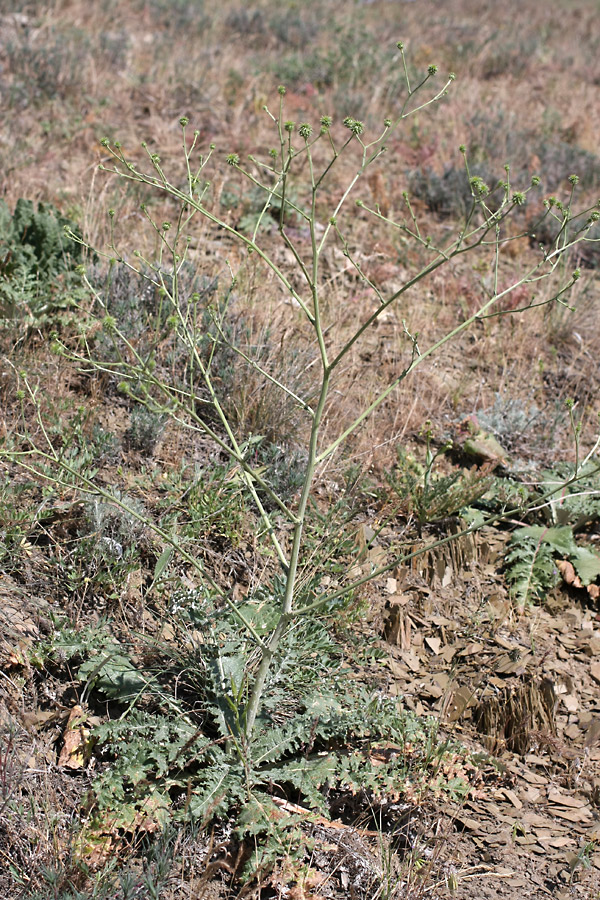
(300, 482)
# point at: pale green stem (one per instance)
(270, 650)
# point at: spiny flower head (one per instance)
(354, 125)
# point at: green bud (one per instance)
(118, 145)
(273, 153)
(518, 198)
(451, 76)
(326, 121)
(594, 217)
(387, 123)
(105, 142)
(123, 387)
(535, 180)
(20, 394)
(462, 149)
(80, 270)
(576, 274)
(354, 125)
(281, 90)
(432, 70)
(232, 159)
(183, 121)
(479, 186)
(574, 179)
(289, 126)
(155, 158)
(111, 213)
(109, 324)
(166, 226)
(305, 130)
(400, 45)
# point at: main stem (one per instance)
(269, 651)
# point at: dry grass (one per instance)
(525, 93)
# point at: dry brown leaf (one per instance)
(595, 672)
(469, 823)
(434, 644)
(512, 798)
(568, 573)
(457, 703)
(593, 733)
(561, 841)
(555, 796)
(572, 815)
(77, 746)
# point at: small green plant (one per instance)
(577, 502)
(430, 496)
(37, 263)
(145, 428)
(531, 560)
(206, 507)
(35, 239)
(168, 758)
(582, 859)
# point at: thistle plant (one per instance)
(294, 180)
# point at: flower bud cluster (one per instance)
(354, 125)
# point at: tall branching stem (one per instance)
(288, 598)
(302, 283)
